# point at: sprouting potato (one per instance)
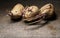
(16, 12)
(44, 12)
(30, 12)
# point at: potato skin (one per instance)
(44, 14)
(16, 12)
(48, 8)
(29, 13)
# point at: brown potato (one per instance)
(48, 8)
(44, 12)
(16, 12)
(30, 12)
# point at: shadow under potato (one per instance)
(16, 20)
(45, 21)
(39, 24)
(52, 18)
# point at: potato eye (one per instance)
(15, 11)
(50, 6)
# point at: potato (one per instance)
(48, 8)
(30, 12)
(16, 12)
(45, 12)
